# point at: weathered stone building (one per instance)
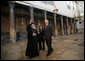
(15, 17)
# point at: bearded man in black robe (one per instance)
(32, 45)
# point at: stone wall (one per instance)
(5, 28)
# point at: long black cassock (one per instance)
(32, 45)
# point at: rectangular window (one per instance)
(48, 2)
(68, 5)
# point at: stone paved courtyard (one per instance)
(69, 47)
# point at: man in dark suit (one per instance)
(48, 34)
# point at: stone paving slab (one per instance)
(65, 48)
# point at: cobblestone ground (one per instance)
(69, 47)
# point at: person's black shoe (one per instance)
(48, 54)
(34, 56)
(51, 50)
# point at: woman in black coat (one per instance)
(41, 38)
(32, 45)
